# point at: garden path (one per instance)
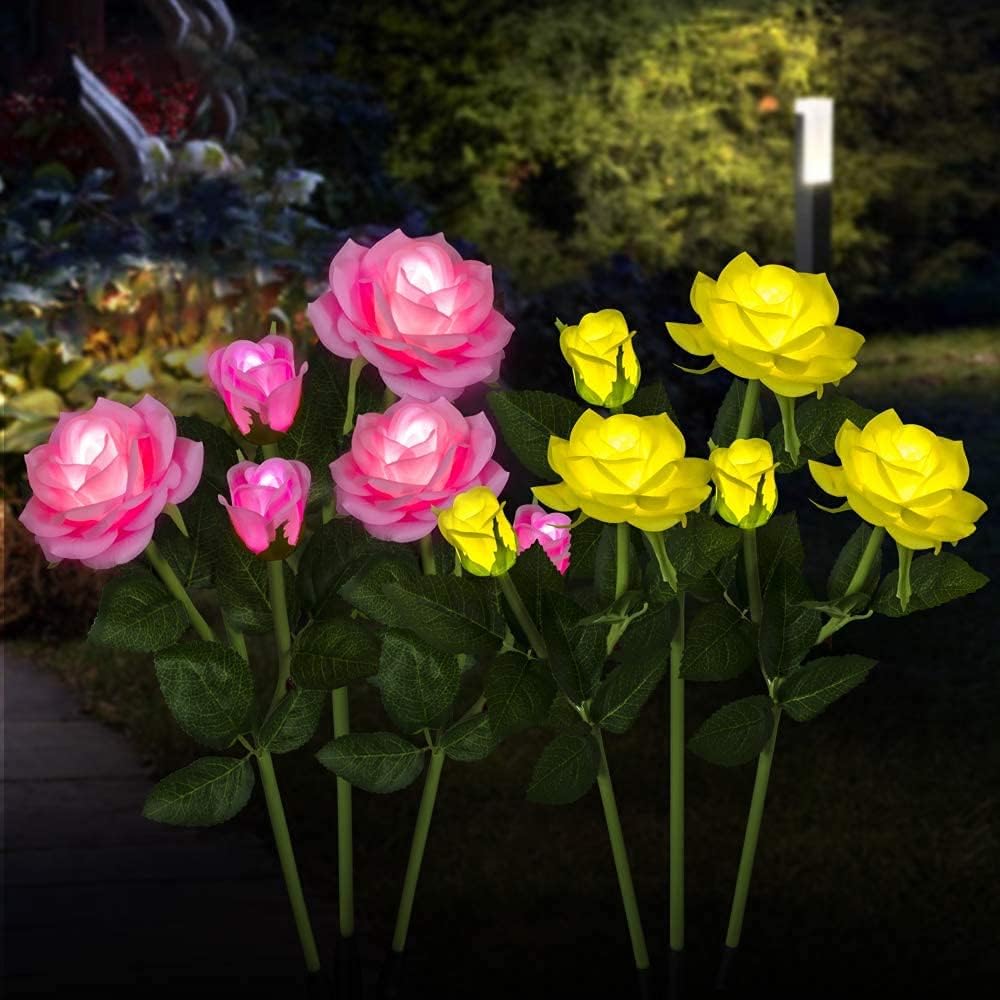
(94, 894)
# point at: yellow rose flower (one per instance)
(477, 528)
(770, 323)
(745, 491)
(599, 350)
(904, 478)
(625, 468)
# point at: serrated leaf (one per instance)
(719, 645)
(376, 762)
(455, 615)
(208, 689)
(469, 740)
(209, 791)
(696, 549)
(586, 537)
(184, 555)
(528, 419)
(419, 683)
(576, 655)
(934, 580)
(293, 722)
(848, 561)
(330, 557)
(621, 694)
(533, 575)
(365, 588)
(778, 542)
(736, 733)
(137, 613)
(330, 654)
(519, 692)
(815, 685)
(727, 420)
(241, 583)
(566, 769)
(220, 451)
(788, 629)
(650, 400)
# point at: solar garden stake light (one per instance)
(813, 183)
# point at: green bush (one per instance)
(558, 135)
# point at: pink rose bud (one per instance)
(551, 531)
(258, 384)
(103, 478)
(267, 499)
(406, 463)
(417, 311)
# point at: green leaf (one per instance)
(418, 682)
(184, 555)
(376, 762)
(519, 692)
(209, 690)
(606, 565)
(818, 421)
(778, 542)
(621, 695)
(562, 717)
(736, 733)
(528, 419)
(576, 655)
(719, 645)
(220, 451)
(934, 580)
(727, 420)
(650, 400)
(137, 613)
(330, 654)
(809, 690)
(567, 768)
(788, 629)
(586, 539)
(696, 549)
(534, 575)
(365, 588)
(455, 615)
(293, 722)
(207, 792)
(469, 740)
(330, 557)
(848, 561)
(241, 583)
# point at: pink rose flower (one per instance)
(258, 379)
(551, 531)
(266, 498)
(103, 478)
(408, 461)
(415, 310)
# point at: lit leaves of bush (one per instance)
(418, 682)
(719, 645)
(137, 613)
(209, 791)
(566, 769)
(452, 614)
(576, 654)
(528, 419)
(736, 733)
(934, 580)
(788, 630)
(812, 687)
(209, 690)
(330, 654)
(293, 722)
(376, 762)
(469, 740)
(519, 692)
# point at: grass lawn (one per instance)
(879, 855)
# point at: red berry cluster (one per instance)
(167, 110)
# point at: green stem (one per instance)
(345, 838)
(750, 398)
(420, 831)
(474, 709)
(427, 562)
(677, 783)
(621, 574)
(286, 856)
(620, 855)
(282, 633)
(857, 581)
(388, 398)
(176, 588)
(523, 617)
(751, 564)
(751, 837)
(787, 406)
(237, 641)
(667, 571)
(352, 393)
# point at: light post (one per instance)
(813, 183)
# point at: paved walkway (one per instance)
(93, 894)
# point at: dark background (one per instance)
(598, 156)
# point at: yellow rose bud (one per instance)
(625, 468)
(476, 527)
(770, 323)
(599, 350)
(904, 478)
(745, 491)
